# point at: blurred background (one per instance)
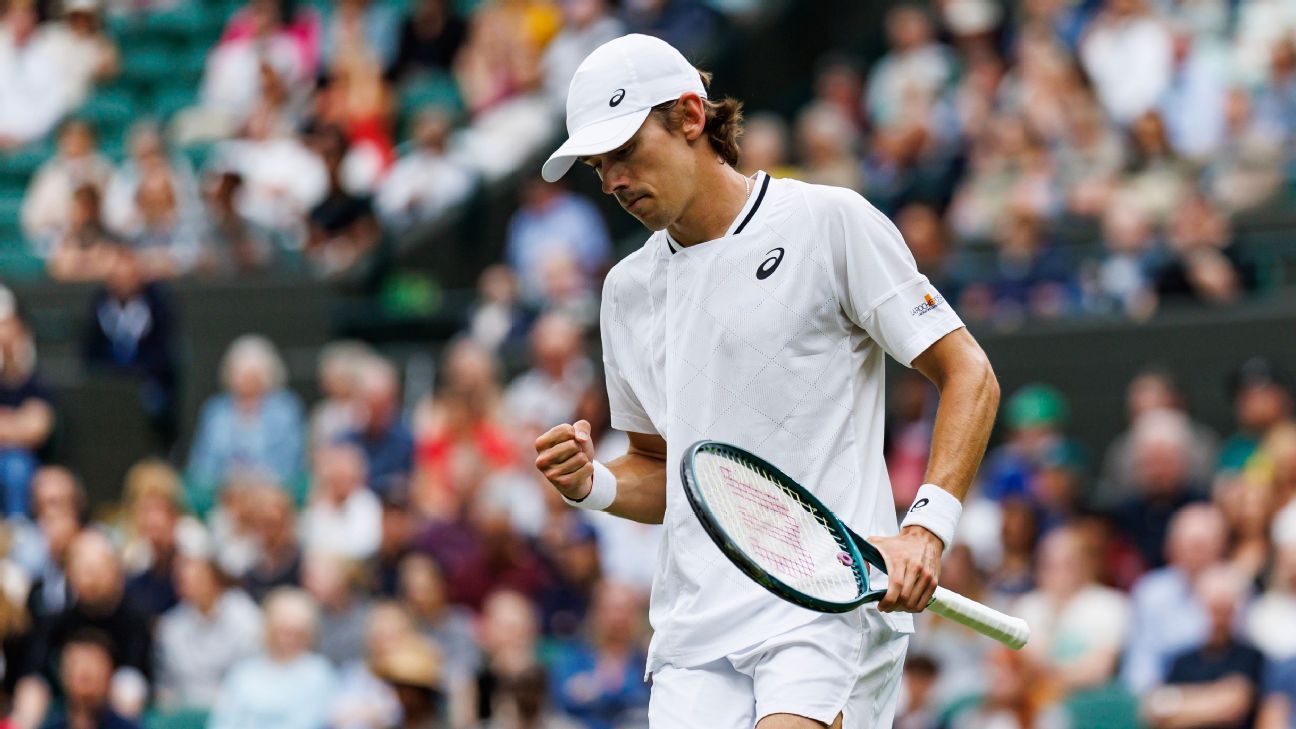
(285, 304)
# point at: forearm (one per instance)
(1184, 707)
(641, 487)
(964, 419)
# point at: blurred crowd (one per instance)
(1050, 158)
(374, 558)
(325, 129)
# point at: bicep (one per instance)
(954, 354)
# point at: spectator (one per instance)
(765, 147)
(50, 198)
(570, 547)
(1247, 170)
(430, 38)
(149, 163)
(97, 585)
(157, 532)
(1262, 398)
(86, 669)
(423, 593)
(1090, 160)
(363, 700)
(340, 365)
(551, 221)
(1195, 543)
(283, 179)
(1129, 54)
(827, 144)
(413, 671)
(500, 57)
(1078, 625)
(58, 509)
(343, 517)
(915, 65)
(214, 627)
(233, 243)
(1159, 443)
(1031, 277)
(1122, 280)
(335, 584)
(522, 702)
(1278, 710)
(1151, 389)
(88, 54)
(1217, 684)
(1019, 535)
(508, 635)
(255, 427)
(359, 28)
(918, 710)
(1276, 606)
(1016, 698)
(599, 680)
(258, 38)
(426, 181)
(84, 250)
(278, 560)
(382, 433)
(688, 25)
(131, 329)
(30, 70)
(1155, 175)
(549, 392)
(27, 415)
(342, 229)
(587, 24)
(288, 686)
(1036, 415)
(498, 321)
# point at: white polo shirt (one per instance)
(771, 338)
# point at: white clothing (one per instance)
(772, 338)
(848, 663)
(1096, 617)
(1130, 63)
(421, 186)
(352, 530)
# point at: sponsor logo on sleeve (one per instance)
(929, 304)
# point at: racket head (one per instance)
(774, 530)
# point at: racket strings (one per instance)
(776, 528)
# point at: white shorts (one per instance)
(847, 664)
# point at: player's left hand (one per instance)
(913, 561)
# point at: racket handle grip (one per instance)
(1012, 632)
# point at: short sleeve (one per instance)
(877, 281)
(627, 411)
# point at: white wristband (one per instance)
(935, 510)
(601, 494)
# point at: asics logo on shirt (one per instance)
(617, 97)
(769, 265)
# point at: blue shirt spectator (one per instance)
(1279, 694)
(382, 434)
(26, 408)
(256, 427)
(555, 222)
(600, 681)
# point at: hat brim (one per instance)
(596, 138)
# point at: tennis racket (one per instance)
(781, 536)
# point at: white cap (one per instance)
(613, 91)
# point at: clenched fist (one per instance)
(566, 458)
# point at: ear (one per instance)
(692, 116)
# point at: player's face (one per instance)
(650, 175)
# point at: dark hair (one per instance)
(723, 121)
(94, 637)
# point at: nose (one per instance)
(614, 179)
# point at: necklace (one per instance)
(747, 184)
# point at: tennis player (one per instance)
(759, 313)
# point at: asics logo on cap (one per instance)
(617, 97)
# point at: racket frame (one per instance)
(861, 552)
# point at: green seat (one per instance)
(148, 64)
(16, 263)
(23, 162)
(186, 21)
(438, 90)
(111, 108)
(1109, 707)
(182, 719)
(168, 100)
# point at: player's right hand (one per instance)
(566, 458)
